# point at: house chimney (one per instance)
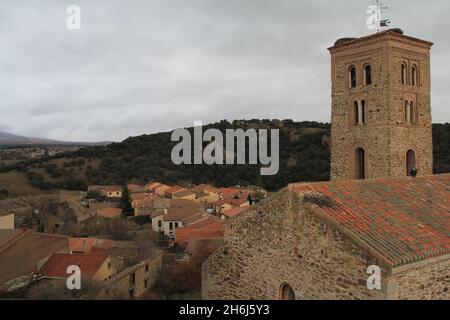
(165, 211)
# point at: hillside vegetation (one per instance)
(304, 156)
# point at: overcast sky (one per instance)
(144, 66)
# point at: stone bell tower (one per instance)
(381, 112)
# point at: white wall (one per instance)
(7, 222)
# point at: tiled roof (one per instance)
(234, 211)
(183, 203)
(57, 264)
(402, 220)
(180, 214)
(174, 189)
(183, 193)
(82, 244)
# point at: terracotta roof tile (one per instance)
(403, 220)
(57, 264)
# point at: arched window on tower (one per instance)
(410, 162)
(286, 292)
(356, 112)
(360, 164)
(415, 80)
(367, 75)
(404, 73)
(363, 112)
(352, 76)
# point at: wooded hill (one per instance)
(304, 156)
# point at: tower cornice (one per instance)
(345, 44)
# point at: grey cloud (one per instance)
(146, 66)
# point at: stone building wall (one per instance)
(285, 241)
(280, 242)
(427, 281)
(119, 286)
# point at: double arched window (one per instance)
(353, 78)
(410, 76)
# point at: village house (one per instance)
(174, 218)
(96, 267)
(184, 195)
(6, 221)
(108, 191)
(205, 228)
(144, 207)
(135, 188)
(162, 207)
(206, 194)
(169, 192)
(233, 212)
(161, 189)
(132, 282)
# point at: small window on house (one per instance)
(414, 76)
(360, 164)
(132, 279)
(367, 75)
(352, 77)
(171, 226)
(176, 224)
(159, 223)
(146, 268)
(410, 162)
(146, 283)
(404, 71)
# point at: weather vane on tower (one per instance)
(375, 21)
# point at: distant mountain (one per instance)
(12, 139)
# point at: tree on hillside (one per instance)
(126, 202)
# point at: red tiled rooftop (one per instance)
(402, 220)
(234, 211)
(57, 264)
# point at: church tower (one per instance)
(381, 112)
